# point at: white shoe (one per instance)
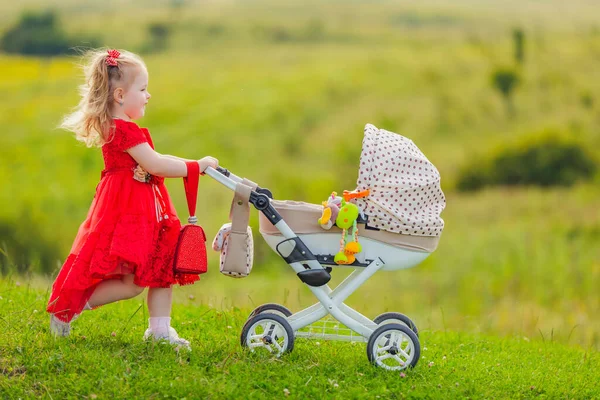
(171, 337)
(58, 327)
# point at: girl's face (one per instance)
(136, 97)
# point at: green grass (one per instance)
(93, 363)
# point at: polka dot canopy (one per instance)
(405, 194)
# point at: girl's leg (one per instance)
(113, 290)
(159, 302)
(106, 292)
(159, 308)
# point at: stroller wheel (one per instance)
(393, 347)
(396, 318)
(268, 331)
(272, 308)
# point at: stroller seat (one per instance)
(396, 250)
(403, 207)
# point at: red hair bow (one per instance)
(112, 57)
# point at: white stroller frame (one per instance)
(386, 335)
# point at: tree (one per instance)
(506, 80)
(519, 42)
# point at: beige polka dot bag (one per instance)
(234, 240)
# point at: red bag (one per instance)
(190, 253)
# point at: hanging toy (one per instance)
(331, 209)
(346, 220)
(349, 246)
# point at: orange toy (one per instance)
(348, 195)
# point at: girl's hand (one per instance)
(208, 162)
(140, 174)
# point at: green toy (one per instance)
(349, 246)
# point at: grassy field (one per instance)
(106, 358)
(516, 274)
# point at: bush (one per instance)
(23, 249)
(36, 34)
(547, 160)
(40, 34)
(159, 34)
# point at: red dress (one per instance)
(131, 228)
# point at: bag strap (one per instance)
(190, 183)
(240, 208)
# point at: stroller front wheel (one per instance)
(272, 308)
(268, 331)
(393, 347)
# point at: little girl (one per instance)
(128, 239)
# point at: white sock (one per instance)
(159, 326)
(58, 327)
(54, 320)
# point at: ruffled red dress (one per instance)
(131, 228)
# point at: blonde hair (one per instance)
(92, 120)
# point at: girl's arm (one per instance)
(175, 158)
(157, 164)
(164, 165)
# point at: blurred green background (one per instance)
(503, 97)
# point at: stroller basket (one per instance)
(329, 329)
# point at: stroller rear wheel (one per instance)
(272, 308)
(396, 318)
(268, 331)
(393, 347)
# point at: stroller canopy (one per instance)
(405, 195)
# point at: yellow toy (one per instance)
(331, 209)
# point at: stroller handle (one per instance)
(223, 176)
(230, 180)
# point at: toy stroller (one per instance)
(400, 226)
